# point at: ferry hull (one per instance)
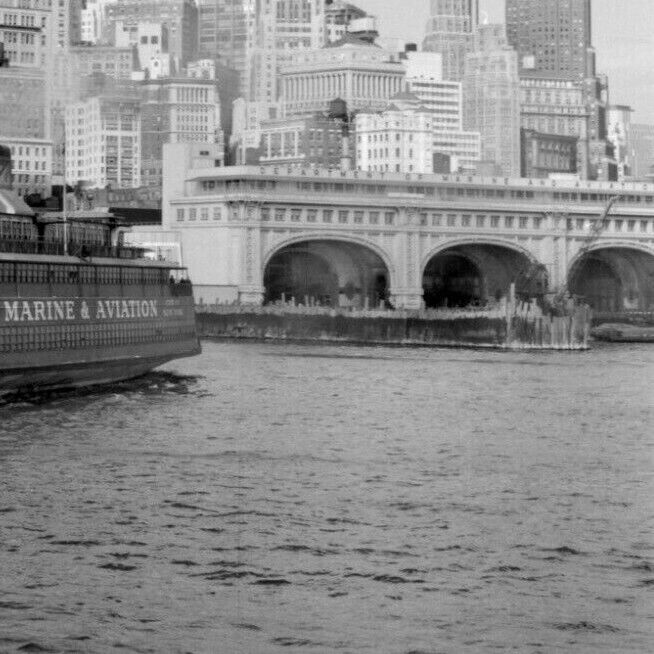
(55, 342)
(77, 308)
(76, 374)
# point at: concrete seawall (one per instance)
(463, 328)
(468, 331)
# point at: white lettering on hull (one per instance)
(26, 311)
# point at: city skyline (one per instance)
(621, 39)
(539, 54)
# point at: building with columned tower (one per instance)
(364, 75)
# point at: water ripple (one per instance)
(269, 499)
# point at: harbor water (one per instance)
(267, 498)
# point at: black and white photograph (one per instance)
(326, 327)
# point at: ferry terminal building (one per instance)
(254, 234)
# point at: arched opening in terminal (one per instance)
(614, 279)
(327, 273)
(477, 274)
(452, 280)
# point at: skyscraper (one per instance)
(553, 41)
(557, 107)
(27, 29)
(281, 28)
(338, 15)
(642, 151)
(449, 31)
(103, 140)
(619, 134)
(180, 17)
(68, 26)
(443, 99)
(176, 110)
(491, 98)
(224, 26)
(92, 20)
(552, 37)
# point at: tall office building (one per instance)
(179, 17)
(68, 21)
(103, 140)
(25, 128)
(338, 16)
(557, 108)
(37, 83)
(116, 62)
(619, 135)
(23, 103)
(62, 76)
(552, 37)
(449, 31)
(31, 166)
(92, 20)
(27, 29)
(176, 110)
(224, 29)
(27, 32)
(491, 99)
(642, 151)
(281, 29)
(553, 41)
(443, 99)
(398, 140)
(228, 84)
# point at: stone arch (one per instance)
(609, 244)
(614, 276)
(467, 271)
(328, 271)
(300, 238)
(499, 242)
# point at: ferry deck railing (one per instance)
(81, 250)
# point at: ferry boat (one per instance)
(78, 307)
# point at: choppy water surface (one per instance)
(336, 499)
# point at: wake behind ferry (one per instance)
(77, 307)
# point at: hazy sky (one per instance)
(623, 36)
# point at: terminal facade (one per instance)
(255, 234)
